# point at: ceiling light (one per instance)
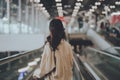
(103, 12)
(75, 10)
(59, 8)
(43, 8)
(40, 5)
(78, 4)
(60, 13)
(92, 10)
(112, 6)
(47, 14)
(117, 2)
(45, 11)
(74, 14)
(58, 4)
(97, 3)
(102, 0)
(106, 8)
(79, 0)
(94, 7)
(67, 6)
(37, 1)
(58, 0)
(77, 7)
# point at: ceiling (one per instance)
(68, 6)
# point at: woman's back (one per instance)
(63, 62)
(57, 58)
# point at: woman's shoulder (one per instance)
(47, 44)
(67, 43)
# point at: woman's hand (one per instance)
(35, 78)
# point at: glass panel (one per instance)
(113, 50)
(11, 70)
(14, 7)
(3, 15)
(106, 67)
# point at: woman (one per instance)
(57, 58)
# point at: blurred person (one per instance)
(115, 32)
(85, 26)
(102, 26)
(57, 57)
(107, 26)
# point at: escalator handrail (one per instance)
(91, 71)
(16, 56)
(104, 53)
(76, 64)
(113, 48)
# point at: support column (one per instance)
(26, 17)
(19, 16)
(36, 19)
(33, 15)
(9, 64)
(8, 14)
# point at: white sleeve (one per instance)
(37, 73)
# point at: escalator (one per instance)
(84, 72)
(18, 67)
(94, 65)
(105, 65)
(79, 71)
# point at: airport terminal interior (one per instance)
(92, 28)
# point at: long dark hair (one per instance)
(57, 33)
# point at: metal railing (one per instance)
(16, 56)
(104, 53)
